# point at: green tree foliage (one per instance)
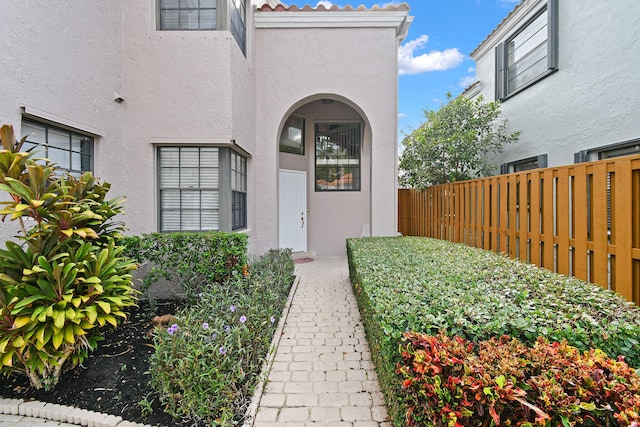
(453, 143)
(67, 278)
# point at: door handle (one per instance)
(302, 218)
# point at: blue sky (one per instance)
(434, 58)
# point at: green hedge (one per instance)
(193, 260)
(417, 284)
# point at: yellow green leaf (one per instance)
(112, 320)
(70, 313)
(105, 306)
(19, 322)
(58, 319)
(76, 302)
(7, 360)
(3, 345)
(57, 340)
(18, 342)
(69, 335)
(92, 313)
(68, 232)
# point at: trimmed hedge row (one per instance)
(418, 284)
(193, 260)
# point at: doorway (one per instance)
(292, 204)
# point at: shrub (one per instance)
(68, 278)
(451, 382)
(207, 365)
(418, 284)
(192, 259)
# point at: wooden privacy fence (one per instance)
(581, 220)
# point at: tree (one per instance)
(453, 143)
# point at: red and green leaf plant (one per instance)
(63, 278)
(448, 381)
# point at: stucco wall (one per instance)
(67, 68)
(594, 97)
(294, 66)
(178, 87)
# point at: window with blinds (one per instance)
(238, 192)
(187, 14)
(189, 188)
(70, 151)
(529, 55)
(337, 157)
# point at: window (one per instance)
(238, 192)
(189, 193)
(238, 23)
(201, 189)
(337, 157)
(525, 164)
(292, 136)
(627, 148)
(529, 55)
(187, 14)
(69, 150)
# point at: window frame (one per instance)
(353, 188)
(216, 10)
(297, 122)
(596, 153)
(502, 65)
(225, 191)
(71, 132)
(512, 167)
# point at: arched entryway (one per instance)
(324, 166)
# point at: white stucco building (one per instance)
(240, 115)
(567, 74)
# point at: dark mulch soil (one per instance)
(114, 379)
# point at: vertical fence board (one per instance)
(562, 220)
(623, 227)
(600, 226)
(548, 221)
(580, 222)
(503, 213)
(523, 214)
(534, 218)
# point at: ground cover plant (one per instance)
(207, 361)
(418, 284)
(453, 382)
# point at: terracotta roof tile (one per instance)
(320, 8)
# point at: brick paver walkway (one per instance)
(322, 374)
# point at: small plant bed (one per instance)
(114, 379)
(431, 286)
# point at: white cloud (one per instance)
(471, 70)
(466, 81)
(324, 3)
(401, 115)
(408, 63)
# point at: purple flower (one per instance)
(205, 325)
(227, 328)
(232, 308)
(213, 337)
(243, 319)
(222, 350)
(273, 319)
(172, 329)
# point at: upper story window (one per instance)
(239, 22)
(188, 14)
(528, 55)
(224, 15)
(69, 150)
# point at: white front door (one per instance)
(293, 210)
